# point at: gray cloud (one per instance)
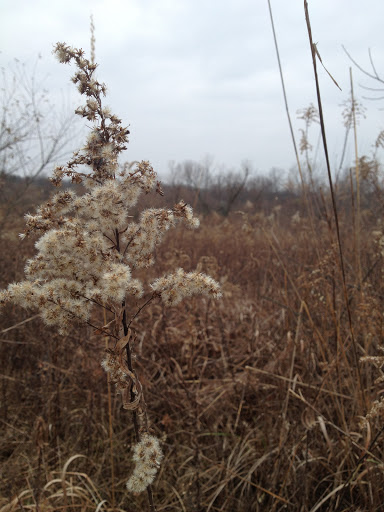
(197, 77)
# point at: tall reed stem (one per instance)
(335, 212)
(303, 186)
(357, 173)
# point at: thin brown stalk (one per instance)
(298, 383)
(303, 187)
(357, 174)
(285, 96)
(140, 309)
(335, 212)
(125, 325)
(110, 426)
(365, 454)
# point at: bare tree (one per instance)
(230, 186)
(33, 133)
(208, 187)
(198, 178)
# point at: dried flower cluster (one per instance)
(89, 248)
(147, 455)
(118, 374)
(89, 245)
(173, 288)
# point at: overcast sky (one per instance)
(196, 77)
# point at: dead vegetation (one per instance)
(261, 399)
(257, 397)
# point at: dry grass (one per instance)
(257, 396)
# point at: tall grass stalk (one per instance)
(293, 138)
(335, 212)
(357, 176)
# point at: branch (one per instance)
(375, 76)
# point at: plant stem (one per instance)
(110, 426)
(152, 507)
(335, 212)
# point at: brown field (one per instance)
(258, 397)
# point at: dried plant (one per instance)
(309, 115)
(264, 398)
(90, 247)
